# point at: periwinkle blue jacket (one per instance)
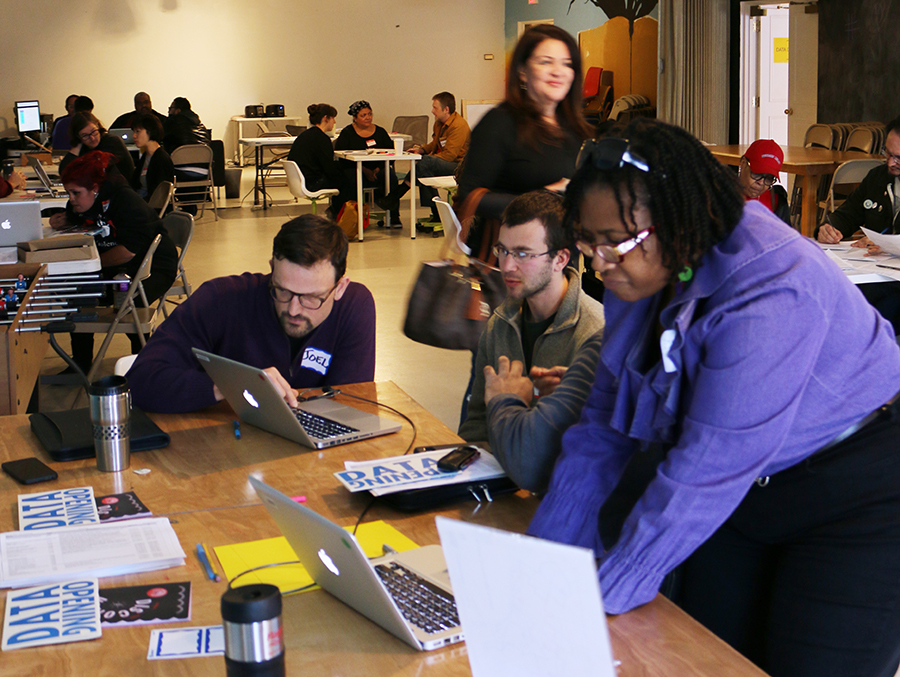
(768, 354)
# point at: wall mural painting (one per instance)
(629, 9)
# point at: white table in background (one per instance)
(240, 120)
(386, 156)
(259, 144)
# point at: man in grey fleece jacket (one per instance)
(546, 317)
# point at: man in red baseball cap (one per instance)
(758, 175)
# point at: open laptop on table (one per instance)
(127, 135)
(54, 188)
(408, 594)
(20, 221)
(319, 423)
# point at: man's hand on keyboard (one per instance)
(282, 386)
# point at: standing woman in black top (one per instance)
(86, 134)
(364, 134)
(528, 142)
(155, 165)
(313, 152)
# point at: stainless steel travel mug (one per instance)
(251, 618)
(110, 402)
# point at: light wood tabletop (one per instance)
(200, 483)
(808, 163)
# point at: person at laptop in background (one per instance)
(155, 165)
(305, 322)
(546, 316)
(86, 134)
(142, 106)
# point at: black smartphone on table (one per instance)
(458, 459)
(29, 471)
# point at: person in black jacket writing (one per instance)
(874, 204)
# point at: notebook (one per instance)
(319, 423)
(19, 222)
(530, 607)
(338, 564)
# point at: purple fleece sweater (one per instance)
(235, 317)
(768, 355)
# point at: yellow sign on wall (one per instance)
(781, 50)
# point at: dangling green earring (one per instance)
(686, 274)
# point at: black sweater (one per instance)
(499, 161)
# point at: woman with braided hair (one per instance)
(742, 422)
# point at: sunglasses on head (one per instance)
(610, 153)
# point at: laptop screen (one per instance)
(28, 116)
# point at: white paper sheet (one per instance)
(528, 607)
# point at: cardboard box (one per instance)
(58, 242)
(84, 252)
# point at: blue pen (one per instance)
(237, 429)
(204, 560)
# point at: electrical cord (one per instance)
(269, 566)
(328, 391)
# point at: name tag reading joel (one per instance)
(317, 360)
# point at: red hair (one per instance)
(89, 170)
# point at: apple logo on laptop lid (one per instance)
(328, 562)
(250, 399)
(6, 225)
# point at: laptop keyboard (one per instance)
(423, 604)
(320, 427)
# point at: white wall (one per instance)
(224, 54)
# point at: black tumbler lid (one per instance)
(109, 385)
(251, 603)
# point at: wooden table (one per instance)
(808, 163)
(200, 483)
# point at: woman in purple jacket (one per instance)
(741, 422)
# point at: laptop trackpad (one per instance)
(428, 561)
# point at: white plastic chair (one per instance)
(297, 185)
(452, 228)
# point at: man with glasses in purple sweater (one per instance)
(305, 323)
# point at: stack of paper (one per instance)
(95, 550)
(416, 471)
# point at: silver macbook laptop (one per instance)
(127, 135)
(408, 594)
(19, 222)
(530, 607)
(51, 186)
(319, 423)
